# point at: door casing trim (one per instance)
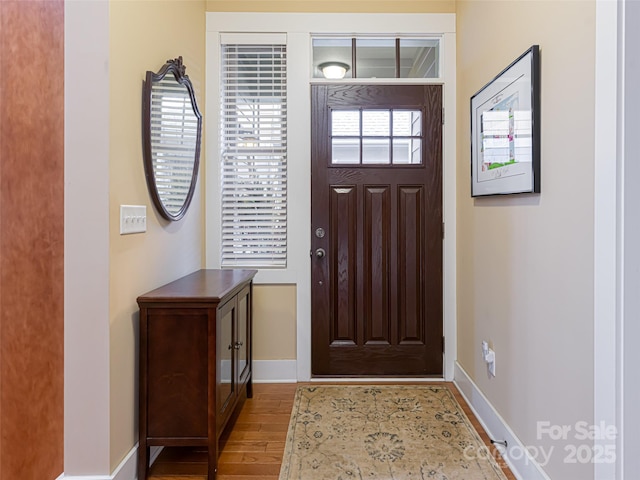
(298, 28)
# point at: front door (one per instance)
(376, 217)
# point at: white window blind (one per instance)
(254, 155)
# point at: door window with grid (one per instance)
(376, 136)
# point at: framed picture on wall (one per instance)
(505, 130)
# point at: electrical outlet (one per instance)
(491, 362)
(489, 356)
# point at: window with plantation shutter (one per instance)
(254, 155)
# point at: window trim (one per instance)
(299, 29)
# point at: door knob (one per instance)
(320, 253)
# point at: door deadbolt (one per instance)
(320, 232)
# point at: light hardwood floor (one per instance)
(252, 449)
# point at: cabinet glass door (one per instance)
(242, 342)
(225, 349)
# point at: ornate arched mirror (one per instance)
(172, 130)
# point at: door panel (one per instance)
(410, 266)
(376, 273)
(377, 289)
(343, 268)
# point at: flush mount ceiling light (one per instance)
(333, 70)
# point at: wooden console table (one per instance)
(195, 360)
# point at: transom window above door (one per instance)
(375, 57)
(376, 137)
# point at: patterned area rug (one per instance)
(383, 432)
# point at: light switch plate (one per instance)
(133, 219)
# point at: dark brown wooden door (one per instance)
(376, 242)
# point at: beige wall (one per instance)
(525, 263)
(336, 6)
(144, 35)
(274, 322)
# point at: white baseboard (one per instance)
(153, 453)
(274, 371)
(524, 467)
(126, 470)
(398, 380)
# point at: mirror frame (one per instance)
(176, 68)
